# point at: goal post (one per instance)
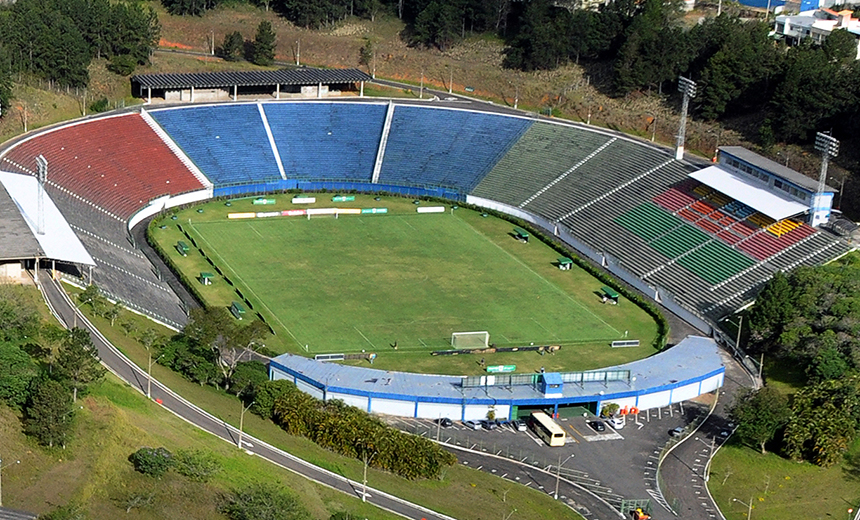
(479, 339)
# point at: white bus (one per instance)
(547, 429)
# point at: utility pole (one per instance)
(149, 372)
(242, 421)
(367, 461)
(298, 51)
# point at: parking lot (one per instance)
(613, 464)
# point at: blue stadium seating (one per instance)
(228, 143)
(334, 141)
(446, 147)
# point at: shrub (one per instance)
(154, 462)
(262, 502)
(122, 64)
(196, 465)
(100, 105)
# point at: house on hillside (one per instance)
(816, 24)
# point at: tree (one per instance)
(189, 7)
(262, 501)
(231, 49)
(5, 81)
(113, 312)
(840, 47)
(264, 44)
(230, 341)
(760, 414)
(19, 318)
(824, 421)
(48, 413)
(17, 370)
(437, 25)
(247, 376)
(78, 361)
(828, 363)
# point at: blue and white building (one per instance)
(691, 368)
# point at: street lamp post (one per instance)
(1, 477)
(149, 373)
(242, 421)
(687, 87)
(367, 461)
(558, 473)
(749, 506)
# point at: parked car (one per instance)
(597, 426)
(616, 422)
(676, 432)
(445, 422)
(489, 425)
(519, 425)
(475, 425)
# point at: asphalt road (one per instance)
(685, 468)
(120, 366)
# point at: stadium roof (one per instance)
(19, 238)
(255, 78)
(691, 358)
(792, 176)
(752, 193)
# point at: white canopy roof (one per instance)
(754, 194)
(58, 242)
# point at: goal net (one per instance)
(470, 339)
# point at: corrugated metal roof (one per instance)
(16, 238)
(58, 242)
(256, 78)
(792, 176)
(757, 195)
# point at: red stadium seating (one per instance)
(117, 163)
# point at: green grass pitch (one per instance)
(364, 282)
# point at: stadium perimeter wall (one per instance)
(166, 202)
(693, 367)
(659, 295)
(334, 186)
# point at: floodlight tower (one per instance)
(829, 147)
(42, 177)
(687, 87)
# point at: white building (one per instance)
(816, 24)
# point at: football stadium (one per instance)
(367, 231)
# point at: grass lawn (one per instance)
(364, 282)
(94, 471)
(462, 493)
(781, 488)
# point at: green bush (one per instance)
(262, 502)
(100, 105)
(154, 462)
(196, 465)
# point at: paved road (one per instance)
(685, 469)
(132, 374)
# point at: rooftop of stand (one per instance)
(255, 78)
(754, 194)
(793, 176)
(18, 224)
